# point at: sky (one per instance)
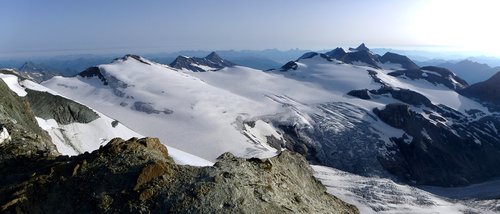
(97, 26)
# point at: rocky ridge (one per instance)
(139, 176)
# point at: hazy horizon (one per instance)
(54, 27)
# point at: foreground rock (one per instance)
(138, 176)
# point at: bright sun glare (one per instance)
(466, 24)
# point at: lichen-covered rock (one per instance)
(138, 176)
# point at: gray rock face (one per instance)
(437, 76)
(138, 176)
(64, 111)
(27, 138)
(440, 154)
(196, 64)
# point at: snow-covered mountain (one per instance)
(356, 114)
(36, 72)
(75, 128)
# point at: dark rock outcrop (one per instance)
(361, 94)
(405, 95)
(435, 76)
(149, 109)
(27, 139)
(138, 176)
(94, 72)
(404, 61)
(289, 65)
(62, 110)
(212, 61)
(132, 56)
(487, 92)
(438, 154)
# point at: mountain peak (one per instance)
(211, 62)
(214, 57)
(362, 47)
(31, 67)
(336, 53)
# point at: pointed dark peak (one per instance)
(214, 57)
(361, 47)
(30, 66)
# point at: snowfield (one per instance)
(77, 138)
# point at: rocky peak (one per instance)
(138, 175)
(30, 66)
(211, 62)
(361, 47)
(214, 57)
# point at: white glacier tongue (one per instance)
(382, 195)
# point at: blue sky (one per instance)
(34, 26)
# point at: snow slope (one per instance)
(207, 109)
(77, 138)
